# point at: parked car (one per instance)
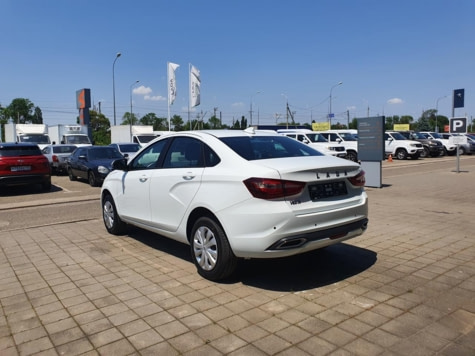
(398, 146)
(92, 163)
(347, 138)
(316, 141)
(58, 156)
(450, 148)
(465, 148)
(128, 149)
(23, 164)
(432, 148)
(233, 194)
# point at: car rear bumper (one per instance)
(268, 233)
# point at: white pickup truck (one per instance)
(316, 141)
(450, 148)
(399, 147)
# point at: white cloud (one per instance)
(154, 98)
(141, 90)
(395, 101)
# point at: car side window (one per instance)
(184, 152)
(149, 157)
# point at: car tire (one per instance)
(352, 156)
(210, 250)
(91, 178)
(425, 153)
(72, 177)
(114, 225)
(401, 154)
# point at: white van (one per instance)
(346, 138)
(315, 140)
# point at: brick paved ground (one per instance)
(406, 287)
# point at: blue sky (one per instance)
(393, 57)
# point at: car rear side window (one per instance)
(184, 152)
(265, 147)
(18, 150)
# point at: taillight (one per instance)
(359, 180)
(55, 158)
(265, 188)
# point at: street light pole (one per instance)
(113, 83)
(330, 113)
(250, 112)
(131, 115)
(286, 110)
(437, 112)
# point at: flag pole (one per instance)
(168, 96)
(189, 94)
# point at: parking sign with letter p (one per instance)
(458, 125)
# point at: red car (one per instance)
(24, 164)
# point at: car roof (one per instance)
(17, 144)
(222, 133)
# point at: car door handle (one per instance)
(143, 179)
(188, 177)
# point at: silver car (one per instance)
(58, 156)
(127, 149)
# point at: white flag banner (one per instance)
(171, 82)
(195, 83)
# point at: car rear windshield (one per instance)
(104, 153)
(265, 147)
(63, 149)
(18, 150)
(129, 147)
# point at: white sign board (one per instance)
(458, 140)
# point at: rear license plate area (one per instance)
(327, 190)
(20, 168)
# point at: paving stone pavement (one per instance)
(406, 287)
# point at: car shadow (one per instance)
(34, 189)
(296, 273)
(313, 269)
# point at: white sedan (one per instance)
(235, 194)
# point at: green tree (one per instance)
(236, 125)
(22, 111)
(406, 119)
(129, 118)
(177, 123)
(3, 121)
(436, 120)
(158, 123)
(424, 124)
(214, 123)
(100, 126)
(37, 116)
(243, 123)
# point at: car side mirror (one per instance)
(82, 157)
(120, 164)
